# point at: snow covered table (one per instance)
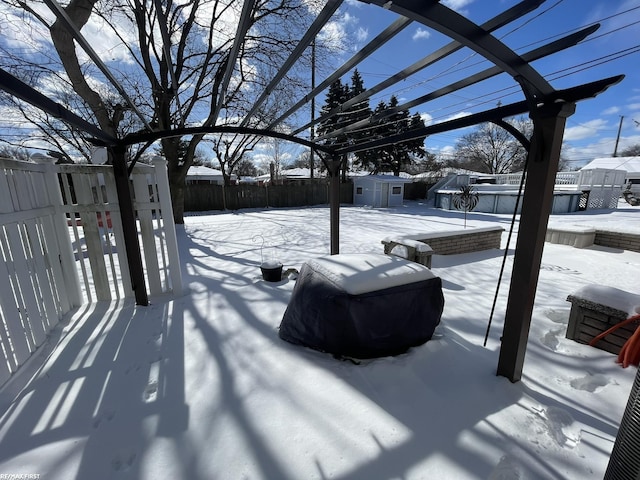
(596, 308)
(363, 305)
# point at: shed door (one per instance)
(384, 197)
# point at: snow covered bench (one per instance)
(412, 250)
(596, 308)
(362, 305)
(446, 242)
(575, 235)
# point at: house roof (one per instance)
(200, 171)
(630, 164)
(381, 178)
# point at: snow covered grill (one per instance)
(363, 305)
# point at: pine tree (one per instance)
(337, 95)
(399, 155)
(357, 112)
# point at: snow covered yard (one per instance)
(201, 387)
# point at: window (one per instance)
(396, 191)
(358, 190)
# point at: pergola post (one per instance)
(544, 155)
(334, 204)
(129, 228)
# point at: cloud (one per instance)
(634, 106)
(334, 35)
(362, 34)
(456, 116)
(426, 118)
(611, 111)
(582, 154)
(457, 5)
(420, 33)
(585, 130)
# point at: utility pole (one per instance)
(615, 150)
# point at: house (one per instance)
(379, 190)
(291, 175)
(201, 174)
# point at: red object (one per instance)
(78, 222)
(630, 351)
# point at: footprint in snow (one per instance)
(558, 316)
(550, 339)
(561, 427)
(590, 383)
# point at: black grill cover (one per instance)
(322, 314)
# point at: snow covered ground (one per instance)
(201, 387)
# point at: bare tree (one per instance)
(230, 151)
(631, 151)
(173, 63)
(492, 149)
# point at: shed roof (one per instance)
(629, 164)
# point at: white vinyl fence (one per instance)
(61, 245)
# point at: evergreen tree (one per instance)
(397, 156)
(391, 157)
(357, 112)
(337, 95)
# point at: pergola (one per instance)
(547, 107)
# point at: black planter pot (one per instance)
(271, 272)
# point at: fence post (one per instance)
(162, 181)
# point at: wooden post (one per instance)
(544, 155)
(130, 230)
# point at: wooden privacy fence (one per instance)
(61, 245)
(203, 197)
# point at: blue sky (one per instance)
(613, 49)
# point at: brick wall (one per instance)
(465, 242)
(624, 241)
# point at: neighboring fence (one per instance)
(61, 245)
(204, 197)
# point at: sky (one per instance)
(591, 132)
(199, 386)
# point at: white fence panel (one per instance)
(91, 203)
(37, 281)
(62, 244)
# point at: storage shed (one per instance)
(379, 190)
(630, 165)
